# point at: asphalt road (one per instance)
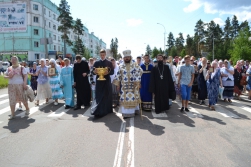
(53, 136)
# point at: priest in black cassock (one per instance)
(103, 91)
(161, 85)
(81, 82)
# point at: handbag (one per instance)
(221, 90)
(28, 93)
(243, 81)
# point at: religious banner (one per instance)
(13, 17)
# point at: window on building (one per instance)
(54, 16)
(37, 56)
(44, 22)
(54, 37)
(49, 34)
(35, 7)
(35, 19)
(49, 13)
(62, 49)
(49, 24)
(54, 27)
(54, 47)
(45, 11)
(58, 48)
(36, 44)
(91, 40)
(35, 31)
(75, 37)
(91, 51)
(91, 46)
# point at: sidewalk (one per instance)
(4, 91)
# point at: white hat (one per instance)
(126, 53)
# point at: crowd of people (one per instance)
(131, 84)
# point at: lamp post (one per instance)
(164, 36)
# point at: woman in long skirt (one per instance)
(227, 73)
(238, 73)
(55, 82)
(33, 71)
(213, 83)
(43, 87)
(202, 83)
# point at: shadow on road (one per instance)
(19, 123)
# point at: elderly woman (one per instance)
(249, 83)
(227, 73)
(201, 79)
(238, 74)
(55, 82)
(43, 87)
(17, 76)
(213, 83)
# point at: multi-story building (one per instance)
(24, 26)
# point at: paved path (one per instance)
(53, 136)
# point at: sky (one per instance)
(134, 22)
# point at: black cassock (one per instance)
(162, 88)
(83, 88)
(103, 90)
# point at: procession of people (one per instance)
(134, 85)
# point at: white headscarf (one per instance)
(56, 65)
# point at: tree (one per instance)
(114, 48)
(244, 25)
(155, 52)
(161, 51)
(235, 27)
(179, 43)
(183, 53)
(170, 41)
(173, 52)
(87, 54)
(189, 45)
(65, 20)
(78, 28)
(148, 50)
(241, 46)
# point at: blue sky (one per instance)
(134, 22)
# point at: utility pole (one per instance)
(213, 47)
(164, 37)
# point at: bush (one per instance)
(3, 82)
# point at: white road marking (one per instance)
(4, 101)
(119, 150)
(237, 103)
(160, 115)
(4, 95)
(193, 112)
(130, 155)
(225, 112)
(6, 109)
(34, 109)
(59, 112)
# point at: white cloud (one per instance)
(219, 21)
(134, 22)
(240, 8)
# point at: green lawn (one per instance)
(3, 82)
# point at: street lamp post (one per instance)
(164, 36)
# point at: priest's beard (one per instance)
(127, 61)
(160, 62)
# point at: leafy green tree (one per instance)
(244, 25)
(241, 46)
(87, 54)
(148, 50)
(183, 53)
(161, 51)
(66, 22)
(173, 52)
(179, 43)
(114, 48)
(155, 52)
(189, 45)
(170, 41)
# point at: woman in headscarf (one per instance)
(213, 83)
(17, 76)
(43, 87)
(55, 82)
(238, 73)
(202, 82)
(227, 73)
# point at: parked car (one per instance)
(5, 65)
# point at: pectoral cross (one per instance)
(161, 77)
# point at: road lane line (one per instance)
(59, 112)
(193, 112)
(130, 155)
(119, 150)
(244, 107)
(4, 101)
(6, 109)
(224, 112)
(34, 109)
(4, 95)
